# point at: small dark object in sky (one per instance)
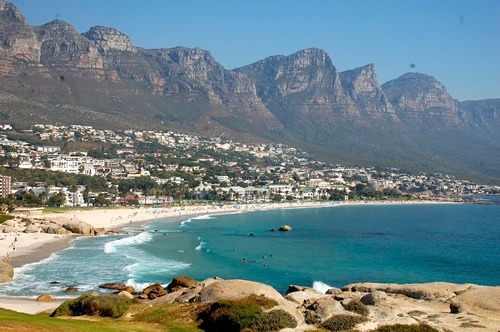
(412, 65)
(61, 77)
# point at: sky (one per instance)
(456, 41)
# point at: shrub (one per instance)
(71, 307)
(105, 306)
(357, 307)
(310, 318)
(342, 322)
(5, 217)
(233, 315)
(406, 328)
(273, 320)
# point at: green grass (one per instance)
(171, 317)
(18, 322)
(5, 217)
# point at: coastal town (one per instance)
(94, 167)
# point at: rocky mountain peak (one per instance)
(58, 25)
(420, 97)
(358, 80)
(17, 39)
(109, 39)
(11, 11)
(362, 85)
(189, 56)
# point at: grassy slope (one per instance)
(173, 318)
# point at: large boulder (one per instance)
(428, 291)
(153, 291)
(374, 298)
(44, 298)
(236, 289)
(32, 228)
(483, 297)
(56, 229)
(181, 282)
(113, 285)
(80, 227)
(6, 272)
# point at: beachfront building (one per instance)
(5, 185)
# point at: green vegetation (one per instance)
(416, 313)
(358, 308)
(237, 315)
(342, 322)
(112, 306)
(178, 317)
(406, 328)
(5, 217)
(14, 321)
(273, 320)
(471, 325)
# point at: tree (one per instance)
(102, 200)
(57, 199)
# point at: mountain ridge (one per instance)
(101, 78)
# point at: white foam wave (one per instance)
(201, 244)
(143, 237)
(185, 222)
(321, 287)
(138, 286)
(204, 217)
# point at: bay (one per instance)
(409, 243)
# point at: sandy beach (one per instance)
(24, 248)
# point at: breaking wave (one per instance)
(143, 237)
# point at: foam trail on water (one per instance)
(200, 245)
(143, 237)
(321, 287)
(185, 222)
(203, 217)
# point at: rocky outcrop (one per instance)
(285, 228)
(181, 282)
(44, 298)
(64, 48)
(6, 272)
(435, 290)
(362, 85)
(236, 289)
(109, 39)
(80, 227)
(153, 291)
(420, 99)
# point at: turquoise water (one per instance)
(334, 245)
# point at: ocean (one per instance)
(337, 245)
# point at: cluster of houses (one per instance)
(246, 172)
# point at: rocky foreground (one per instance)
(435, 306)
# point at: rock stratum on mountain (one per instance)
(53, 74)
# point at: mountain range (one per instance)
(54, 74)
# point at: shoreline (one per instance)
(34, 247)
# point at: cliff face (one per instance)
(54, 74)
(362, 85)
(301, 88)
(18, 41)
(420, 99)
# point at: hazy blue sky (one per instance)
(456, 41)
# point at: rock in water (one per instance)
(113, 285)
(285, 228)
(6, 272)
